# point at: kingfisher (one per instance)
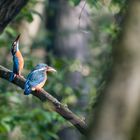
(37, 78)
(18, 61)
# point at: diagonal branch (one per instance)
(45, 96)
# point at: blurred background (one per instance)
(74, 37)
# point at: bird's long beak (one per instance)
(15, 45)
(50, 69)
(17, 39)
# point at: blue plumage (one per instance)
(12, 75)
(15, 65)
(18, 61)
(35, 77)
(27, 88)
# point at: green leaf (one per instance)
(29, 18)
(53, 135)
(11, 31)
(74, 2)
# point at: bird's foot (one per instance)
(12, 76)
(37, 90)
(18, 75)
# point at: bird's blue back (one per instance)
(15, 65)
(34, 78)
(15, 68)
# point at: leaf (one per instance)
(53, 135)
(38, 14)
(25, 14)
(11, 31)
(5, 124)
(74, 2)
(29, 17)
(6, 127)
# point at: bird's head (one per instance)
(15, 45)
(44, 67)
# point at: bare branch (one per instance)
(85, 2)
(45, 96)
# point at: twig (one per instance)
(82, 11)
(45, 96)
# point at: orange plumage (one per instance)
(18, 61)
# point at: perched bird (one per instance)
(18, 61)
(37, 78)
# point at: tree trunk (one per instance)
(118, 109)
(8, 10)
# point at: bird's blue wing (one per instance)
(15, 65)
(15, 68)
(35, 78)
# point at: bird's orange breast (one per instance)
(20, 60)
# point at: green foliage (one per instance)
(74, 2)
(120, 2)
(27, 116)
(26, 13)
(34, 120)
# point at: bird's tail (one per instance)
(27, 89)
(12, 76)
